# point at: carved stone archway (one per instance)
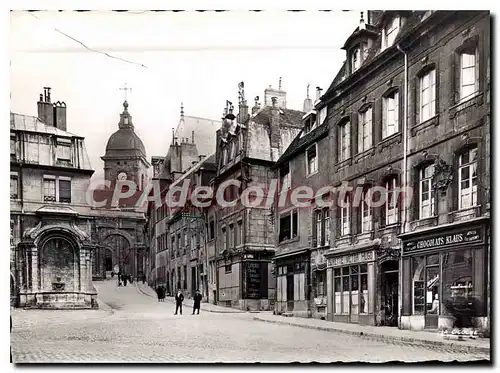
(125, 257)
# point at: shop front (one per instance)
(293, 283)
(442, 267)
(351, 281)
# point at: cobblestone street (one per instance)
(137, 328)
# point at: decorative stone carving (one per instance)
(443, 175)
(58, 285)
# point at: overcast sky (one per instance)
(190, 57)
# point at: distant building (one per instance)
(119, 230)
(168, 265)
(200, 131)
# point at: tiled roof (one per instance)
(21, 122)
(301, 142)
(292, 118)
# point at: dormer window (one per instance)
(390, 32)
(355, 59)
(322, 116)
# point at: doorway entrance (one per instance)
(193, 280)
(289, 288)
(390, 286)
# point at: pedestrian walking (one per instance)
(130, 279)
(125, 280)
(119, 278)
(179, 298)
(143, 279)
(163, 293)
(197, 302)
(158, 293)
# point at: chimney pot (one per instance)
(318, 92)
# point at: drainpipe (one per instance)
(405, 180)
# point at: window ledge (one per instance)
(424, 223)
(295, 239)
(389, 228)
(314, 173)
(465, 214)
(434, 121)
(366, 153)
(476, 100)
(344, 163)
(395, 138)
(364, 237)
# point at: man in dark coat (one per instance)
(179, 298)
(158, 293)
(197, 302)
(125, 278)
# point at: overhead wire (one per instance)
(91, 49)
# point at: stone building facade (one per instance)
(410, 107)
(247, 147)
(303, 232)
(60, 241)
(118, 228)
(51, 243)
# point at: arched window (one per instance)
(426, 192)
(391, 208)
(467, 178)
(365, 129)
(366, 211)
(390, 113)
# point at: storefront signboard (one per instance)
(463, 237)
(351, 258)
(256, 279)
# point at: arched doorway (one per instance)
(390, 288)
(59, 264)
(123, 254)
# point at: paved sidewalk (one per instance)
(188, 303)
(381, 333)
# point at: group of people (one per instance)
(161, 291)
(179, 298)
(123, 278)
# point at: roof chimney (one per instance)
(318, 93)
(362, 24)
(47, 93)
(256, 107)
(45, 108)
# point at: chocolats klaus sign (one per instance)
(457, 238)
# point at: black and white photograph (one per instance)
(250, 186)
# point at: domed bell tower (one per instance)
(125, 157)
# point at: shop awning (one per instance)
(289, 254)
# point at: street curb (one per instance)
(408, 340)
(172, 301)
